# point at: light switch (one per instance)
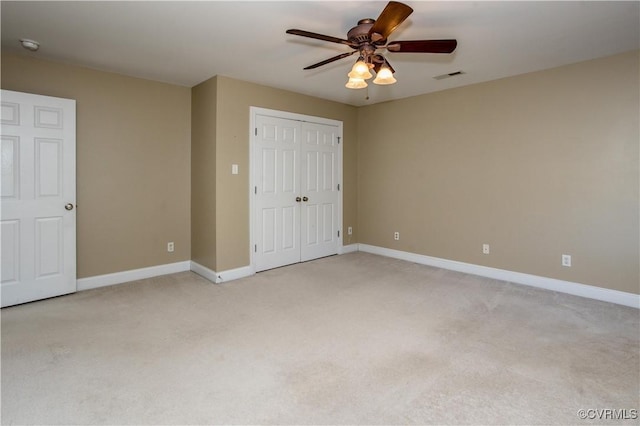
(234, 169)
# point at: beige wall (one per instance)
(536, 165)
(203, 173)
(232, 191)
(133, 145)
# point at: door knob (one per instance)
(68, 206)
(305, 199)
(298, 199)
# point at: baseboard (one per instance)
(131, 275)
(203, 271)
(348, 249)
(577, 289)
(220, 277)
(234, 274)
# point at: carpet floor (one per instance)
(351, 339)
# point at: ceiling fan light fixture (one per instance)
(384, 76)
(356, 83)
(360, 71)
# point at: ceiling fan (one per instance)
(369, 36)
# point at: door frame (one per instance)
(255, 111)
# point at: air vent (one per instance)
(451, 74)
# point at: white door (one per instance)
(38, 190)
(296, 207)
(320, 193)
(277, 193)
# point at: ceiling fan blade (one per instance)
(319, 36)
(423, 46)
(326, 61)
(393, 15)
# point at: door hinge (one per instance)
(255, 190)
(255, 248)
(338, 140)
(338, 233)
(256, 131)
(338, 187)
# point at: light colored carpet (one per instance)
(349, 339)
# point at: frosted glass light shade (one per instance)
(356, 83)
(360, 70)
(385, 76)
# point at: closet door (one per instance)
(296, 196)
(277, 192)
(320, 194)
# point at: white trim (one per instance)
(577, 289)
(154, 271)
(131, 275)
(234, 274)
(224, 276)
(203, 271)
(348, 249)
(290, 116)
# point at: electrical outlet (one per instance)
(396, 236)
(486, 249)
(566, 260)
(349, 230)
(170, 247)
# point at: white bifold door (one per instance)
(38, 193)
(297, 198)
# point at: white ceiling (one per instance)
(186, 43)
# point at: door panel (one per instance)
(48, 167)
(289, 229)
(10, 167)
(10, 251)
(38, 180)
(49, 246)
(329, 225)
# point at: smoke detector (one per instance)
(31, 45)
